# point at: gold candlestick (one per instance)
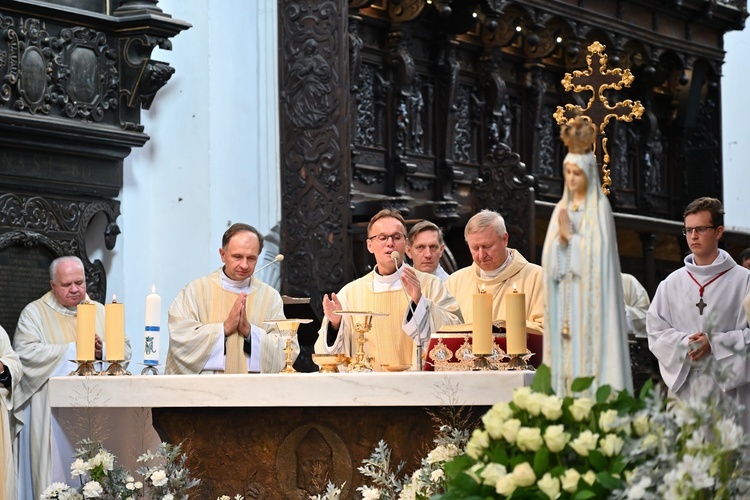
(288, 330)
(85, 368)
(115, 368)
(361, 362)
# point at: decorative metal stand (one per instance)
(85, 368)
(520, 362)
(361, 362)
(115, 368)
(150, 369)
(288, 330)
(481, 363)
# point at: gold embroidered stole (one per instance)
(387, 342)
(235, 355)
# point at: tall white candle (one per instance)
(152, 332)
(114, 330)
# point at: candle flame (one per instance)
(87, 299)
(114, 298)
(515, 290)
(153, 288)
(482, 290)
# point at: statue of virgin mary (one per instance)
(584, 317)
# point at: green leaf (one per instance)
(618, 465)
(646, 390)
(541, 461)
(542, 382)
(598, 462)
(457, 466)
(584, 495)
(581, 384)
(602, 394)
(608, 480)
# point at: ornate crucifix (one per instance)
(598, 109)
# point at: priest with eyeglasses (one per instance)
(417, 304)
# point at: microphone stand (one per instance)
(408, 302)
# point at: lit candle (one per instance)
(86, 325)
(515, 321)
(114, 330)
(153, 322)
(482, 323)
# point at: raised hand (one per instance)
(329, 305)
(411, 283)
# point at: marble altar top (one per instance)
(288, 390)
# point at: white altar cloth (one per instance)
(481, 388)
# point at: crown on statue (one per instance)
(579, 134)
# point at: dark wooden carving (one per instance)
(72, 82)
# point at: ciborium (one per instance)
(288, 330)
(361, 362)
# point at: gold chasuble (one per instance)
(196, 324)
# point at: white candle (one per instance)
(152, 332)
(114, 330)
(482, 323)
(515, 321)
(86, 325)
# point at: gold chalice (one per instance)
(288, 329)
(360, 362)
(329, 363)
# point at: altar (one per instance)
(281, 436)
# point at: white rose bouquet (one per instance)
(543, 446)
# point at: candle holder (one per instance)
(288, 330)
(518, 362)
(115, 368)
(361, 362)
(482, 363)
(85, 368)
(150, 369)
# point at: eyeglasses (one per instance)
(697, 229)
(382, 238)
(422, 248)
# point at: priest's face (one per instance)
(704, 245)
(393, 234)
(69, 285)
(425, 251)
(488, 249)
(240, 256)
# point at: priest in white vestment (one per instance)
(417, 303)
(425, 247)
(496, 269)
(10, 374)
(216, 323)
(45, 341)
(698, 312)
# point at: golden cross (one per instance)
(598, 109)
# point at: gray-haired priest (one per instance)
(216, 322)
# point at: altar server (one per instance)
(216, 322)
(10, 375)
(417, 303)
(45, 341)
(497, 269)
(698, 312)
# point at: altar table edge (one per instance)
(482, 388)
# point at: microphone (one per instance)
(395, 256)
(276, 259)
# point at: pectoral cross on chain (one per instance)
(701, 305)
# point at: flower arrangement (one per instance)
(164, 476)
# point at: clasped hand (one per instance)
(698, 346)
(237, 319)
(563, 222)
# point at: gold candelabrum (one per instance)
(288, 330)
(115, 368)
(361, 362)
(85, 368)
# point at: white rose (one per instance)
(493, 422)
(556, 438)
(492, 472)
(570, 480)
(590, 477)
(611, 445)
(581, 408)
(437, 475)
(529, 438)
(641, 425)
(506, 485)
(552, 407)
(650, 441)
(520, 396)
(473, 472)
(369, 493)
(584, 443)
(731, 434)
(92, 489)
(168, 496)
(130, 486)
(549, 485)
(138, 485)
(523, 475)
(479, 442)
(502, 410)
(159, 478)
(534, 403)
(510, 429)
(78, 468)
(607, 420)
(442, 453)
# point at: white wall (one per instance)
(212, 159)
(735, 134)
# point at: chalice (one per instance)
(288, 329)
(361, 362)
